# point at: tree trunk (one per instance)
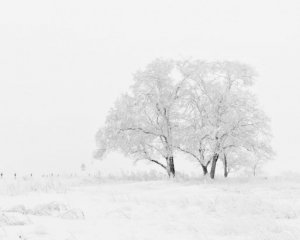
(204, 168)
(170, 166)
(254, 170)
(225, 166)
(213, 165)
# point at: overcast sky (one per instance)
(63, 63)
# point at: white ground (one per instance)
(153, 210)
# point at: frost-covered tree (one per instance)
(223, 115)
(204, 109)
(143, 123)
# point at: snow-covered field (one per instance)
(91, 209)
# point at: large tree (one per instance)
(143, 124)
(224, 116)
(204, 109)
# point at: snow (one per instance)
(84, 208)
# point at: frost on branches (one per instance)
(205, 110)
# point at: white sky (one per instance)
(64, 62)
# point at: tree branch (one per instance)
(157, 162)
(187, 152)
(141, 130)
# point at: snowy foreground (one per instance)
(88, 209)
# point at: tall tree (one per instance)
(224, 113)
(204, 109)
(143, 124)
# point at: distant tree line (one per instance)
(205, 110)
